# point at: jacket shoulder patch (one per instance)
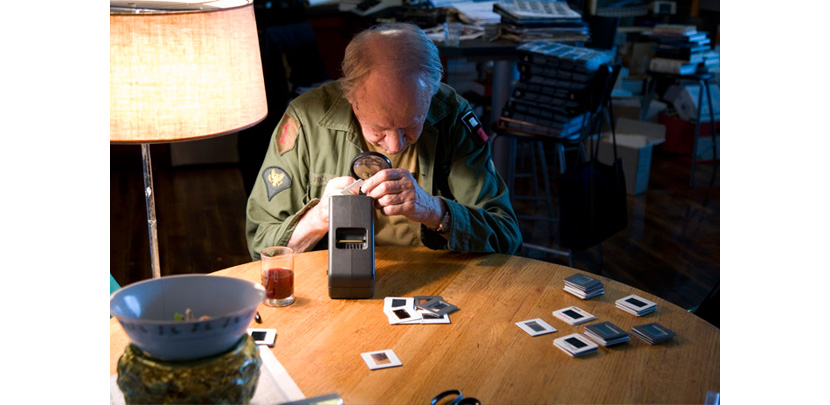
(287, 131)
(473, 125)
(276, 180)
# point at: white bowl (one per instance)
(146, 311)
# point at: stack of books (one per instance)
(554, 88)
(532, 20)
(711, 60)
(680, 49)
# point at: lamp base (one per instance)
(230, 377)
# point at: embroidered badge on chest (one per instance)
(473, 125)
(276, 180)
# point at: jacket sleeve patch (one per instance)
(287, 131)
(473, 125)
(276, 180)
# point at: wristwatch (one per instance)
(446, 220)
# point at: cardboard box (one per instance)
(684, 99)
(635, 141)
(629, 107)
(634, 84)
(638, 56)
(656, 133)
(628, 86)
(635, 152)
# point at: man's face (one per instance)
(391, 110)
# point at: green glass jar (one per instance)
(227, 378)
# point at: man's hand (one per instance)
(315, 223)
(333, 187)
(396, 192)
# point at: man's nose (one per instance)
(396, 141)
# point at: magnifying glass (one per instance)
(364, 166)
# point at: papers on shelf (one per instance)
(313, 3)
(467, 32)
(535, 11)
(275, 386)
(446, 3)
(477, 12)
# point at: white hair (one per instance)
(400, 46)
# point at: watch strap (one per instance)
(446, 219)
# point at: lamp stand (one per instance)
(181, 71)
(151, 209)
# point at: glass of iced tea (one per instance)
(278, 275)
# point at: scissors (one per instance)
(458, 400)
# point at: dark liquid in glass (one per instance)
(278, 282)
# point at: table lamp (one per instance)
(182, 71)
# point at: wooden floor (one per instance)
(671, 247)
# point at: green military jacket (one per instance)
(316, 141)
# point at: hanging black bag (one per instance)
(592, 195)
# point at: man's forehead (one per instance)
(391, 105)
(393, 81)
(382, 117)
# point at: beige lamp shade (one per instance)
(180, 74)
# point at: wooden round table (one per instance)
(482, 352)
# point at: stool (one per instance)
(529, 148)
(702, 78)
(533, 134)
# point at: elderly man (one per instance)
(442, 192)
